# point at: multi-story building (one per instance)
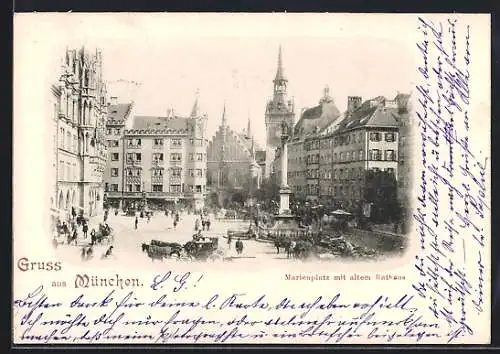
(335, 155)
(366, 140)
(164, 161)
(79, 100)
(325, 169)
(53, 123)
(278, 110)
(232, 162)
(119, 115)
(311, 150)
(296, 168)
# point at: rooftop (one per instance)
(119, 112)
(160, 123)
(372, 113)
(317, 117)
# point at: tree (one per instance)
(381, 191)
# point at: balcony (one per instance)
(157, 179)
(133, 146)
(133, 180)
(158, 147)
(175, 180)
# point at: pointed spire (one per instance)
(195, 112)
(224, 119)
(249, 128)
(252, 152)
(280, 74)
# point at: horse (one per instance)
(282, 242)
(157, 252)
(145, 247)
(176, 247)
(303, 249)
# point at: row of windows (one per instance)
(346, 139)
(158, 157)
(174, 188)
(157, 143)
(193, 172)
(115, 131)
(374, 155)
(347, 173)
(68, 141)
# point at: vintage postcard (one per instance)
(251, 178)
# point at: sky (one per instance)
(231, 59)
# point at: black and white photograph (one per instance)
(226, 149)
(321, 178)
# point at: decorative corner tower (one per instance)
(278, 110)
(198, 146)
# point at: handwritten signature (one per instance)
(451, 206)
(218, 317)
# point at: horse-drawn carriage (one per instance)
(203, 248)
(104, 235)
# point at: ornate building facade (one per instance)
(163, 161)
(233, 162)
(328, 162)
(79, 107)
(278, 109)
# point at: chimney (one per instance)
(353, 103)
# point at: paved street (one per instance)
(127, 240)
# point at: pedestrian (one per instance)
(229, 238)
(239, 246)
(208, 224)
(196, 224)
(136, 222)
(75, 236)
(175, 223)
(93, 237)
(149, 217)
(83, 254)
(108, 253)
(85, 230)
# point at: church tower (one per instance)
(278, 109)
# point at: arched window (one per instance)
(68, 103)
(85, 113)
(90, 118)
(86, 142)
